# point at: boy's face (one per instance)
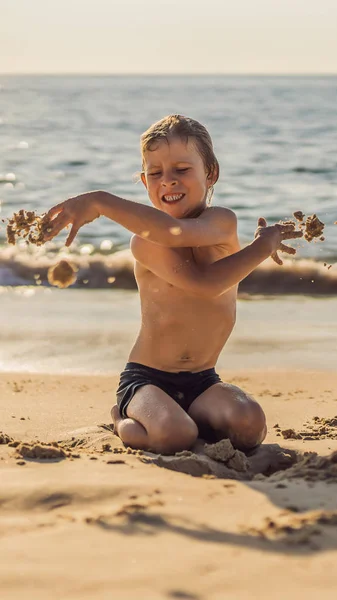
(176, 178)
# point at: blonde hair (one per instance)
(183, 128)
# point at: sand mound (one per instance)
(197, 465)
(219, 460)
(224, 452)
(221, 451)
(223, 461)
(41, 451)
(311, 467)
(4, 438)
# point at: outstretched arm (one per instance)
(214, 226)
(215, 279)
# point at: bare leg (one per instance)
(155, 422)
(228, 412)
(130, 429)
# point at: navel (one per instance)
(185, 357)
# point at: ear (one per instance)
(213, 176)
(143, 178)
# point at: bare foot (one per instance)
(116, 417)
(269, 458)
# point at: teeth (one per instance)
(173, 198)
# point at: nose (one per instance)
(168, 180)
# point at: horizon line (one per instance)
(170, 74)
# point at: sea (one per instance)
(62, 135)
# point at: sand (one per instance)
(83, 517)
(27, 225)
(62, 275)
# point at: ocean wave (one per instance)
(73, 163)
(315, 170)
(18, 267)
(299, 276)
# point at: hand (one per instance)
(275, 234)
(76, 211)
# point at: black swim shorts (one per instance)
(183, 387)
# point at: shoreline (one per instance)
(75, 331)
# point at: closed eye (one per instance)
(157, 173)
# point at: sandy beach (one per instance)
(96, 520)
(81, 516)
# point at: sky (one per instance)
(168, 36)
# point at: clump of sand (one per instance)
(63, 274)
(317, 429)
(221, 451)
(32, 228)
(224, 452)
(41, 451)
(290, 434)
(29, 226)
(312, 227)
(4, 438)
(299, 215)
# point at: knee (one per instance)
(248, 426)
(172, 435)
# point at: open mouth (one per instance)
(172, 198)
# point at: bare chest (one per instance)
(160, 293)
(194, 327)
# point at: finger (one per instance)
(262, 222)
(285, 228)
(276, 258)
(292, 235)
(72, 235)
(55, 210)
(287, 249)
(57, 225)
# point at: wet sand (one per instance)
(51, 334)
(96, 520)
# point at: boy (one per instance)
(188, 264)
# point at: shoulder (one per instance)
(137, 243)
(224, 220)
(141, 247)
(148, 253)
(224, 217)
(140, 251)
(220, 213)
